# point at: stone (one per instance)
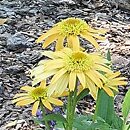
(1, 88)
(18, 42)
(30, 57)
(15, 69)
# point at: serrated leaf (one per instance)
(126, 105)
(82, 94)
(55, 117)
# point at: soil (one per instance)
(26, 21)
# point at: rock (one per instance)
(124, 4)
(119, 61)
(18, 42)
(69, 2)
(30, 57)
(15, 69)
(1, 88)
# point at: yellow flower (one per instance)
(113, 80)
(66, 66)
(70, 29)
(36, 95)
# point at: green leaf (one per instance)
(82, 94)
(117, 122)
(108, 55)
(59, 126)
(104, 107)
(126, 105)
(126, 127)
(55, 117)
(82, 122)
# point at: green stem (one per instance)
(44, 114)
(71, 108)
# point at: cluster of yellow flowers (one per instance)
(69, 66)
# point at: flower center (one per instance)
(39, 93)
(72, 26)
(79, 62)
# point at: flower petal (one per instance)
(55, 101)
(52, 31)
(43, 76)
(60, 42)
(58, 75)
(75, 42)
(109, 91)
(62, 83)
(27, 88)
(95, 79)
(69, 41)
(72, 81)
(24, 102)
(35, 108)
(92, 88)
(43, 84)
(20, 98)
(82, 79)
(47, 104)
(90, 39)
(102, 68)
(49, 40)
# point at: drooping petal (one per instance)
(49, 54)
(95, 79)
(49, 40)
(102, 68)
(54, 65)
(75, 43)
(72, 81)
(43, 76)
(43, 84)
(82, 79)
(20, 95)
(51, 89)
(27, 88)
(35, 108)
(97, 36)
(47, 104)
(37, 70)
(24, 102)
(55, 101)
(20, 98)
(58, 75)
(113, 75)
(69, 41)
(109, 91)
(114, 88)
(60, 42)
(90, 39)
(99, 31)
(52, 31)
(92, 88)
(101, 76)
(62, 83)
(118, 83)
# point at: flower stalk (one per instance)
(72, 101)
(44, 114)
